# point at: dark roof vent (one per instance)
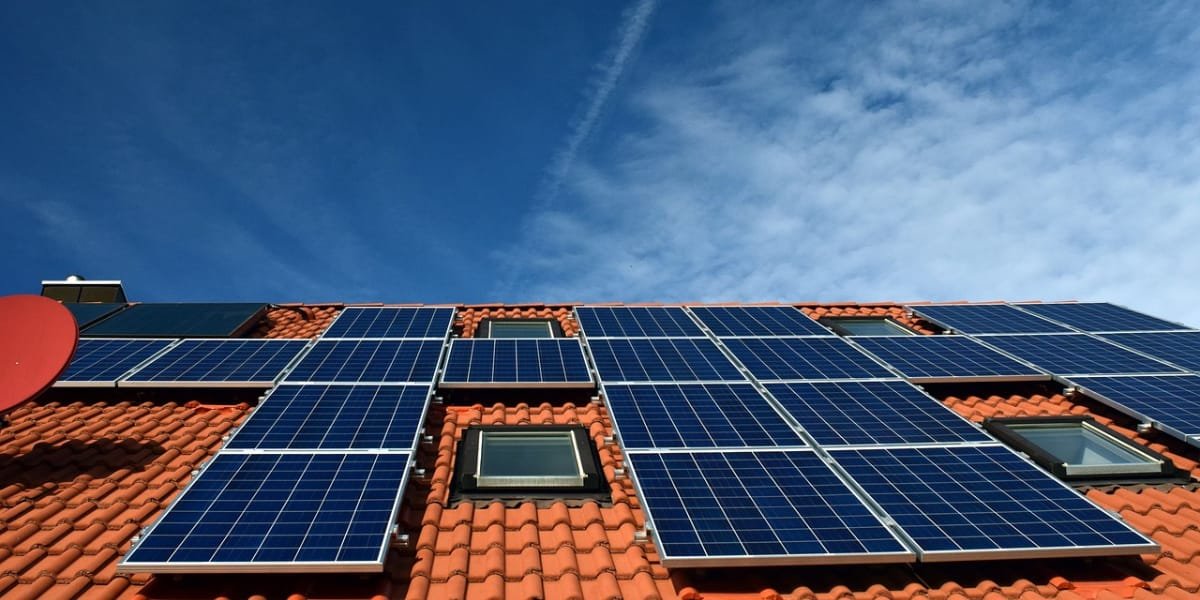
(76, 289)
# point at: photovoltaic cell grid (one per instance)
(1076, 354)
(663, 360)
(1100, 316)
(394, 323)
(103, 361)
(757, 321)
(986, 318)
(368, 361)
(757, 508)
(338, 417)
(219, 362)
(527, 362)
(985, 501)
(804, 358)
(654, 321)
(942, 357)
(1172, 403)
(293, 512)
(696, 416)
(873, 413)
(1181, 348)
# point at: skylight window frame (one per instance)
(470, 484)
(1154, 466)
(552, 325)
(837, 325)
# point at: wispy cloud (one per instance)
(995, 151)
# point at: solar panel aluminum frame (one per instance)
(1073, 384)
(115, 381)
(773, 560)
(445, 334)
(442, 383)
(966, 379)
(376, 566)
(124, 381)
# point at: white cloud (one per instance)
(926, 153)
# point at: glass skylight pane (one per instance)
(529, 459)
(520, 329)
(1076, 444)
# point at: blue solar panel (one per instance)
(387, 322)
(1172, 403)
(661, 360)
(219, 362)
(368, 361)
(945, 357)
(975, 502)
(1100, 316)
(986, 318)
(1182, 348)
(760, 508)
(696, 416)
(872, 413)
(103, 361)
(525, 362)
(279, 513)
(335, 417)
(654, 321)
(757, 321)
(179, 320)
(1076, 354)
(804, 358)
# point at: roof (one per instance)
(84, 471)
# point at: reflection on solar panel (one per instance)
(525, 362)
(975, 502)
(219, 363)
(370, 361)
(986, 318)
(804, 358)
(335, 417)
(279, 513)
(179, 320)
(655, 321)
(665, 360)
(933, 358)
(1171, 403)
(696, 416)
(86, 313)
(102, 362)
(1182, 348)
(1100, 316)
(872, 412)
(760, 508)
(1076, 354)
(388, 322)
(731, 321)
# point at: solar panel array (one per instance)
(312, 481)
(627, 322)
(226, 363)
(179, 320)
(661, 359)
(936, 358)
(1076, 354)
(1179, 348)
(783, 359)
(1099, 317)
(976, 319)
(696, 415)
(757, 321)
(554, 362)
(102, 362)
(1170, 402)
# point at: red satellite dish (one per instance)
(37, 339)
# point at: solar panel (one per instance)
(368, 361)
(872, 413)
(1171, 403)
(516, 362)
(220, 363)
(179, 320)
(1100, 316)
(335, 417)
(1076, 354)
(986, 318)
(757, 321)
(391, 322)
(804, 358)
(653, 321)
(1180, 348)
(695, 416)
(86, 313)
(279, 513)
(981, 502)
(757, 508)
(935, 358)
(665, 360)
(103, 361)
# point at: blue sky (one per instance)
(600, 151)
